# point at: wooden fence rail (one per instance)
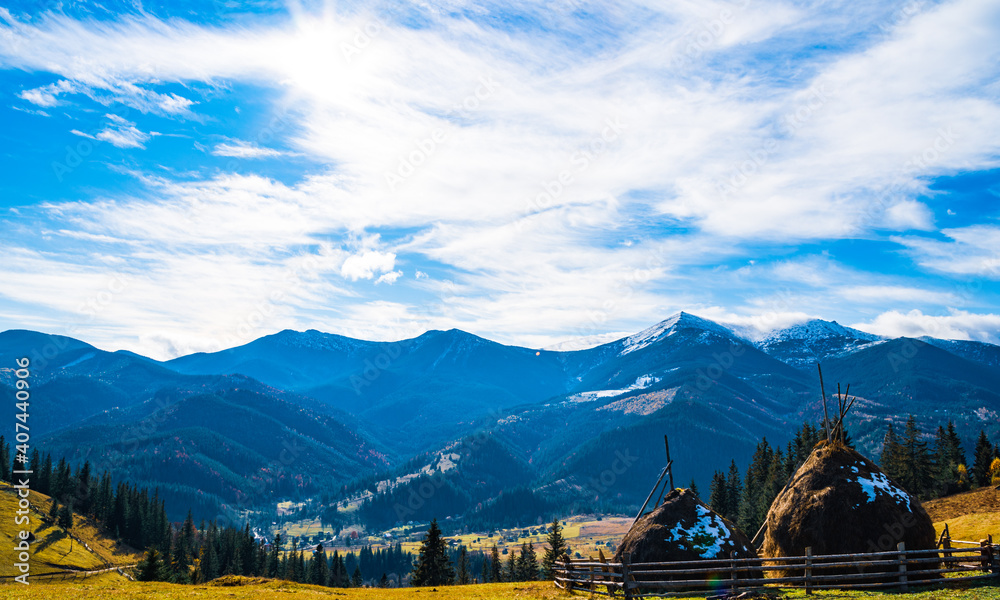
(899, 568)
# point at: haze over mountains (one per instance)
(300, 414)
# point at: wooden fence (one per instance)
(899, 568)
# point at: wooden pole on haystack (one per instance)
(826, 415)
(670, 471)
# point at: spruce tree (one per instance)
(496, 566)
(357, 580)
(717, 498)
(484, 569)
(149, 567)
(510, 570)
(209, 564)
(557, 547)
(383, 582)
(530, 570)
(66, 516)
(54, 511)
(892, 460)
(734, 492)
(433, 567)
(982, 458)
(463, 577)
(317, 567)
(918, 475)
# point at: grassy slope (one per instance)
(54, 550)
(971, 516)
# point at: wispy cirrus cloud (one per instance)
(243, 149)
(551, 173)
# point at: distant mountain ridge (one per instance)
(366, 407)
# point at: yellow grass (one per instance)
(54, 550)
(261, 588)
(972, 528)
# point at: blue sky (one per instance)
(188, 176)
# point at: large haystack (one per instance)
(683, 528)
(839, 502)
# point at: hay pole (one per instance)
(650, 496)
(670, 471)
(826, 415)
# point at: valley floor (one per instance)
(96, 588)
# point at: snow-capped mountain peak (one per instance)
(667, 328)
(818, 329)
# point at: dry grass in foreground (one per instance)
(251, 588)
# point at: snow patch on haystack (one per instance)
(878, 483)
(707, 535)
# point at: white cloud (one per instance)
(973, 250)
(389, 277)
(122, 133)
(47, 96)
(242, 149)
(367, 265)
(959, 325)
(843, 145)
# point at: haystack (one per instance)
(839, 502)
(683, 528)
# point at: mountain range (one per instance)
(299, 415)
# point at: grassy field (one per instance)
(971, 516)
(257, 588)
(55, 550)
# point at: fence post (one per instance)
(569, 576)
(809, 570)
(732, 570)
(986, 552)
(625, 578)
(995, 550)
(901, 546)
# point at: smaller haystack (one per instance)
(683, 528)
(839, 502)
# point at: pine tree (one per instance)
(149, 567)
(717, 498)
(892, 460)
(317, 567)
(463, 577)
(734, 491)
(209, 564)
(557, 547)
(383, 582)
(948, 457)
(918, 473)
(983, 457)
(694, 488)
(66, 516)
(530, 569)
(496, 566)
(5, 460)
(510, 571)
(54, 510)
(273, 561)
(357, 580)
(433, 567)
(484, 569)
